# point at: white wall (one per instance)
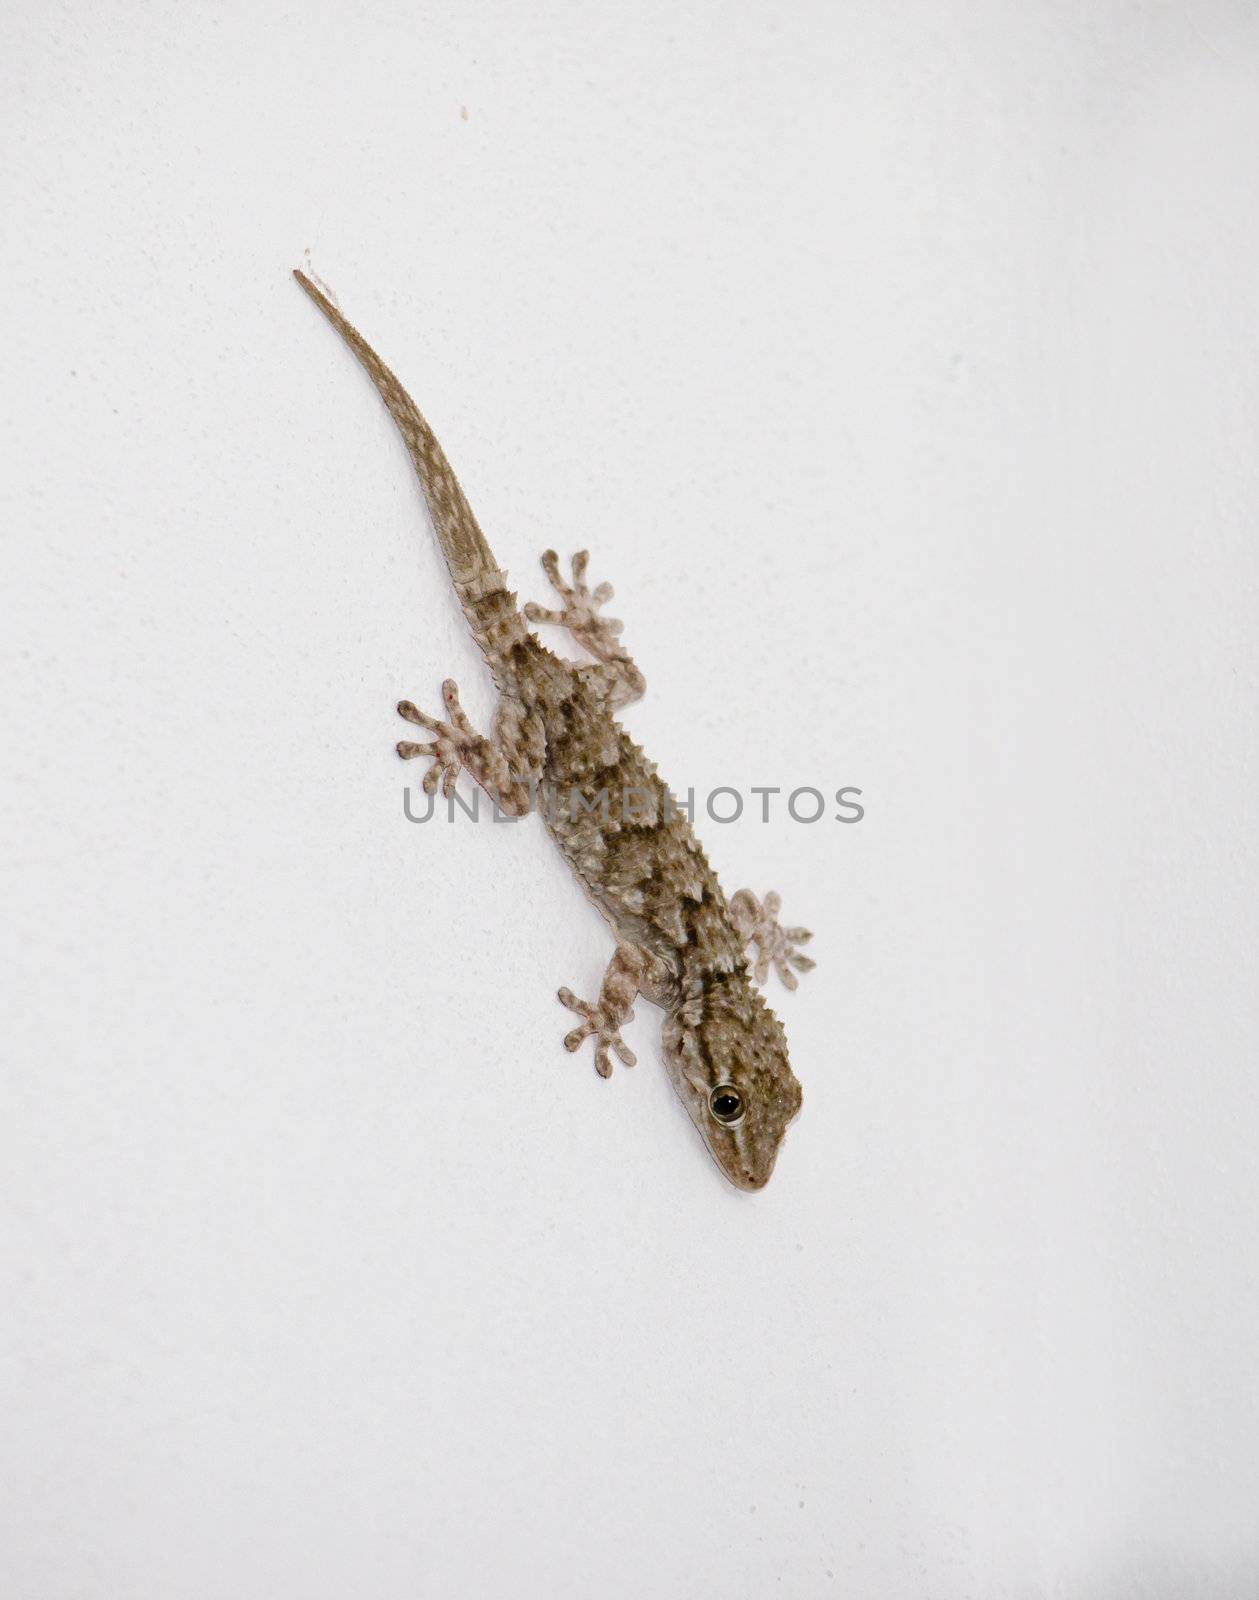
(898, 362)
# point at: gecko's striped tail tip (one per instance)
(317, 293)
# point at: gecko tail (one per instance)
(479, 582)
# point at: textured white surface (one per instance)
(898, 362)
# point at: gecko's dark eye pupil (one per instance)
(726, 1104)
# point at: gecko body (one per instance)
(680, 943)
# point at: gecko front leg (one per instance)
(631, 972)
(756, 922)
(507, 765)
(616, 675)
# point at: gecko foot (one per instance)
(757, 923)
(615, 1006)
(608, 1038)
(454, 742)
(580, 614)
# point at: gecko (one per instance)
(680, 943)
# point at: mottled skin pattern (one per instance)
(554, 737)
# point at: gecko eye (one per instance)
(726, 1104)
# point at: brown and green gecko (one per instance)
(680, 943)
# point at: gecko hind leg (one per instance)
(616, 676)
(756, 923)
(507, 765)
(631, 972)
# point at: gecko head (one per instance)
(728, 1054)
